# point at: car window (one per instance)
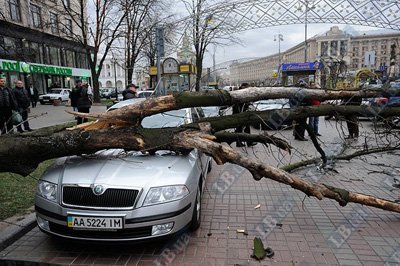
(168, 119)
(55, 91)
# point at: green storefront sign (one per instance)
(13, 66)
(52, 70)
(16, 66)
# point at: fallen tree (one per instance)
(26, 151)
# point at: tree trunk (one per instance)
(121, 128)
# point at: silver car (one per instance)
(114, 195)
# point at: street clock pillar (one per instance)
(170, 75)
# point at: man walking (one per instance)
(23, 101)
(7, 104)
(83, 97)
(33, 95)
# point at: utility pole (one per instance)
(160, 53)
(279, 38)
(114, 60)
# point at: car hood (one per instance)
(116, 168)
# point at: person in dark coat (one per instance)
(33, 95)
(352, 119)
(24, 102)
(300, 123)
(130, 92)
(81, 97)
(239, 108)
(8, 103)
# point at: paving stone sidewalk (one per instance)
(300, 230)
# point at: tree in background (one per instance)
(206, 29)
(99, 23)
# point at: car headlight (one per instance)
(157, 195)
(47, 190)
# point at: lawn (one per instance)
(17, 192)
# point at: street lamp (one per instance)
(308, 8)
(114, 61)
(279, 38)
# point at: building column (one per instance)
(329, 48)
(319, 49)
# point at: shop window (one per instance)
(2, 45)
(54, 23)
(69, 58)
(15, 10)
(34, 47)
(54, 56)
(36, 16)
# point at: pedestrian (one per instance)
(313, 121)
(239, 108)
(352, 119)
(24, 102)
(33, 95)
(130, 92)
(300, 123)
(83, 97)
(73, 97)
(7, 105)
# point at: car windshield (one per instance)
(168, 119)
(56, 91)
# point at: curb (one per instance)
(16, 230)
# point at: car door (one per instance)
(197, 114)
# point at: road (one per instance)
(300, 230)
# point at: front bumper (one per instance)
(137, 223)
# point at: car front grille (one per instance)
(111, 198)
(127, 233)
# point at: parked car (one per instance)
(380, 103)
(145, 94)
(114, 195)
(107, 93)
(60, 94)
(277, 121)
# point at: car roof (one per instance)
(126, 103)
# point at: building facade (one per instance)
(357, 50)
(36, 44)
(112, 74)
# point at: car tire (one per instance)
(196, 217)
(41, 102)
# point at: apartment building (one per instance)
(37, 44)
(357, 49)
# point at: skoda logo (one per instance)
(98, 190)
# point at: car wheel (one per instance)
(196, 217)
(209, 166)
(41, 102)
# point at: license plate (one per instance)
(98, 223)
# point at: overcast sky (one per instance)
(260, 42)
